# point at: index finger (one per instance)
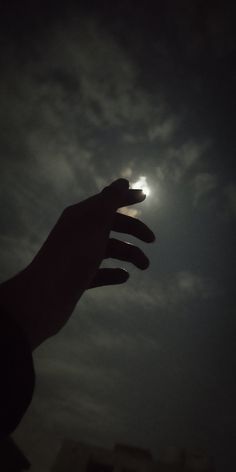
(118, 194)
(133, 196)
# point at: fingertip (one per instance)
(145, 264)
(152, 237)
(133, 196)
(124, 275)
(139, 194)
(119, 275)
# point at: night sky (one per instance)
(88, 95)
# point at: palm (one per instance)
(68, 263)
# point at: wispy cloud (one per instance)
(163, 130)
(75, 114)
(204, 183)
(147, 293)
(177, 161)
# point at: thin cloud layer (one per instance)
(60, 104)
(204, 183)
(84, 106)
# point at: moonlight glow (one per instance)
(142, 184)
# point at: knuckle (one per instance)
(70, 213)
(67, 211)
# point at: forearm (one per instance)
(21, 297)
(14, 297)
(16, 371)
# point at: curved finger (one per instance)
(109, 277)
(133, 196)
(115, 193)
(127, 224)
(126, 252)
(118, 194)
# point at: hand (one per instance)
(47, 291)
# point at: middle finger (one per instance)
(127, 224)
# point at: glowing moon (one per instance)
(142, 184)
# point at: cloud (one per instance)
(75, 115)
(145, 294)
(163, 130)
(83, 118)
(177, 161)
(15, 253)
(108, 93)
(203, 184)
(56, 106)
(130, 212)
(186, 285)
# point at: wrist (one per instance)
(15, 301)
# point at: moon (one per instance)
(141, 183)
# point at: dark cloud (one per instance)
(89, 95)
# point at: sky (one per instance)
(90, 94)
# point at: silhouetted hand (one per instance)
(47, 291)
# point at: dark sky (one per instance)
(90, 94)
